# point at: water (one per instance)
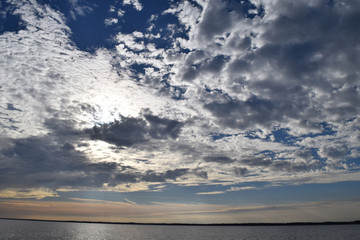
(11, 229)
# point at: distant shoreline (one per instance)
(193, 224)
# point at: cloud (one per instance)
(230, 113)
(210, 193)
(151, 176)
(28, 193)
(291, 56)
(81, 8)
(54, 162)
(111, 21)
(125, 133)
(11, 107)
(47, 162)
(213, 65)
(133, 203)
(219, 159)
(215, 20)
(136, 4)
(163, 128)
(173, 174)
(264, 91)
(129, 131)
(334, 153)
(235, 189)
(257, 161)
(241, 171)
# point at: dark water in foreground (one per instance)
(11, 229)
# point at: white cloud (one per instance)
(210, 193)
(137, 5)
(110, 21)
(235, 189)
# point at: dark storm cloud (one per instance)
(129, 131)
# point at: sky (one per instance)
(193, 111)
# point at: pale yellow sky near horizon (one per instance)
(108, 211)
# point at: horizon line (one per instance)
(191, 224)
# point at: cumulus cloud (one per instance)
(128, 131)
(30, 163)
(56, 163)
(111, 21)
(136, 4)
(268, 68)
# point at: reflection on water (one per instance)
(11, 229)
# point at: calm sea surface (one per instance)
(11, 229)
